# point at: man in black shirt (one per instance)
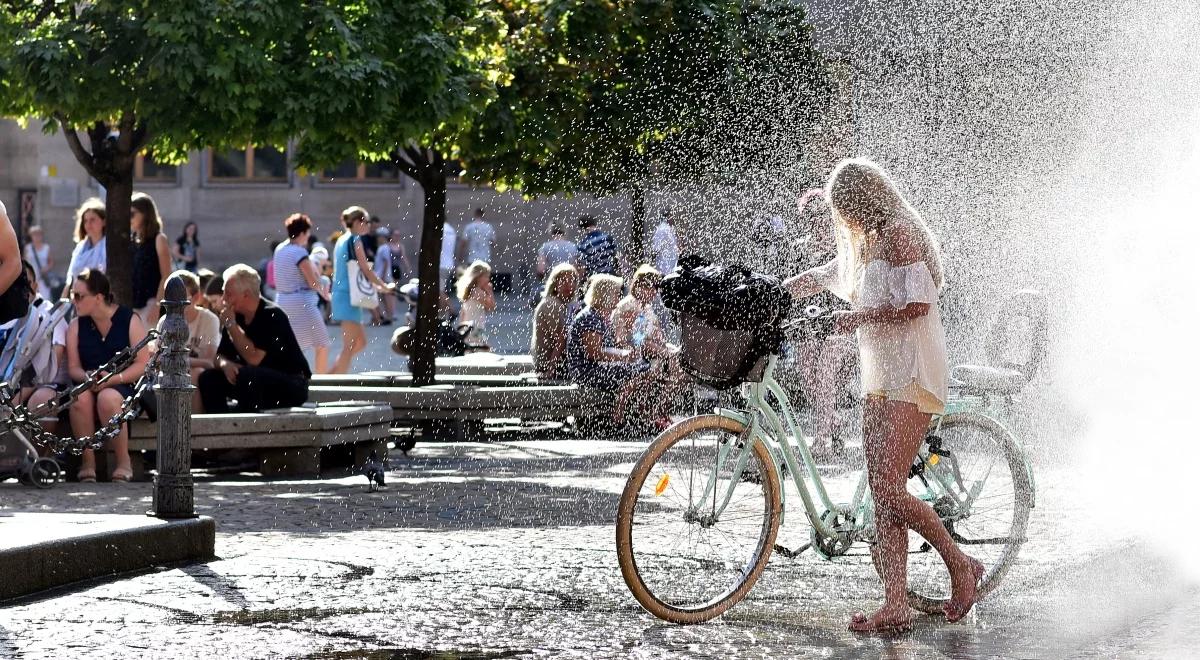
(258, 361)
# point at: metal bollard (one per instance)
(173, 497)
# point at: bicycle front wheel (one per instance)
(983, 493)
(686, 555)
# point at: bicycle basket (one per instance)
(724, 358)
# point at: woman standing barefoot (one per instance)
(889, 269)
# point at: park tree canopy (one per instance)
(607, 97)
(119, 77)
(563, 96)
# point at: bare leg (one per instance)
(197, 402)
(38, 397)
(83, 423)
(321, 359)
(893, 431)
(108, 403)
(353, 342)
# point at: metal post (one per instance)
(173, 484)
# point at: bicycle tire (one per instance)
(923, 599)
(630, 497)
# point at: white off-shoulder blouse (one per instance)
(894, 355)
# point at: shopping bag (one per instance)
(362, 291)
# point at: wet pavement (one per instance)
(506, 549)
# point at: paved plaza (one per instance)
(506, 549)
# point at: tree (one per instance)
(447, 60)
(118, 77)
(607, 96)
(542, 96)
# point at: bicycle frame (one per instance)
(775, 425)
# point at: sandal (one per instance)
(124, 476)
(86, 476)
(860, 623)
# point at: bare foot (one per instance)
(964, 592)
(887, 621)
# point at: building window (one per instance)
(145, 169)
(352, 172)
(252, 165)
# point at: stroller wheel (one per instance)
(45, 472)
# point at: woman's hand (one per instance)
(100, 376)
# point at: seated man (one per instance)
(258, 362)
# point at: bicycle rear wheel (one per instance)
(990, 526)
(684, 558)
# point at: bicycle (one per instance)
(725, 470)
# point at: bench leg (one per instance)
(292, 462)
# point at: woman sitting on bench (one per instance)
(593, 359)
(102, 330)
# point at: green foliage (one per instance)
(443, 59)
(605, 94)
(194, 73)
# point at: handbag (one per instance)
(362, 291)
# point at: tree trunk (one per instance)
(422, 358)
(637, 226)
(110, 161)
(116, 230)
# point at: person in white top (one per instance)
(447, 263)
(37, 253)
(665, 244)
(474, 289)
(204, 332)
(477, 240)
(889, 268)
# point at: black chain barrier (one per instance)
(19, 416)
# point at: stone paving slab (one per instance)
(40, 551)
(506, 550)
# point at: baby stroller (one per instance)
(451, 337)
(19, 460)
(27, 346)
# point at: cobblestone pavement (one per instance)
(506, 549)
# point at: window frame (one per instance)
(287, 181)
(360, 180)
(140, 179)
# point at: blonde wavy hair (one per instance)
(557, 275)
(466, 281)
(602, 287)
(864, 199)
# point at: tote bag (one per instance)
(362, 292)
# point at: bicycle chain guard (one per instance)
(829, 547)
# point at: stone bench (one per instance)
(485, 363)
(288, 441)
(464, 403)
(404, 379)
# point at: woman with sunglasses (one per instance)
(102, 329)
(349, 246)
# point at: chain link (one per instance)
(18, 416)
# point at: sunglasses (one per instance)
(77, 296)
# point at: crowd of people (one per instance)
(258, 334)
(610, 337)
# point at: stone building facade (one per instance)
(239, 200)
